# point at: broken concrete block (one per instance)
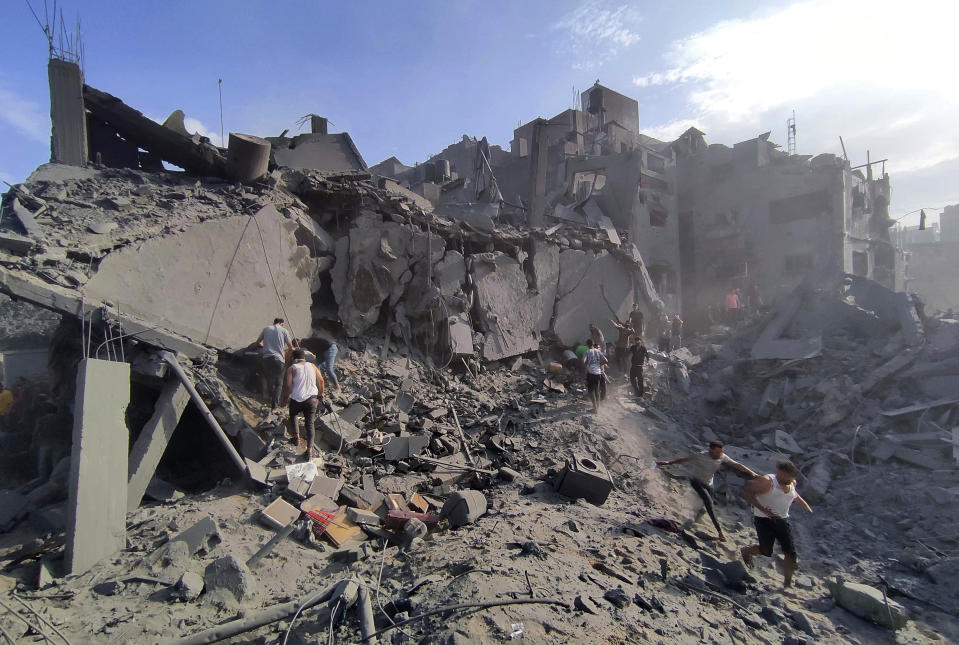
(507, 474)
(327, 486)
(278, 514)
(584, 478)
(461, 335)
(150, 445)
(506, 312)
(231, 575)
(464, 507)
(337, 431)
(188, 587)
(591, 283)
(398, 448)
(363, 517)
(111, 588)
(868, 602)
(360, 498)
(97, 502)
(247, 157)
(202, 537)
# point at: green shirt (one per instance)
(580, 350)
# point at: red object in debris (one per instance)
(319, 520)
(395, 520)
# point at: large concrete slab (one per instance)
(328, 152)
(593, 287)
(149, 447)
(511, 318)
(191, 282)
(97, 500)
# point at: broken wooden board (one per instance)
(341, 530)
(918, 407)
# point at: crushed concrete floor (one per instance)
(620, 579)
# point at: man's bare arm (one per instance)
(738, 467)
(803, 503)
(755, 487)
(678, 460)
(320, 383)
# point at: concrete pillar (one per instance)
(539, 161)
(68, 139)
(319, 125)
(247, 158)
(97, 500)
(150, 445)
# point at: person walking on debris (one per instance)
(325, 351)
(676, 340)
(593, 362)
(637, 321)
(622, 344)
(638, 356)
(771, 496)
(703, 467)
(664, 332)
(732, 307)
(596, 335)
(275, 340)
(303, 388)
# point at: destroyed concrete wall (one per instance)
(193, 283)
(504, 310)
(747, 224)
(328, 152)
(931, 273)
(593, 287)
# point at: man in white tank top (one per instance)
(303, 388)
(771, 496)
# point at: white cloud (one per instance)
(594, 34)
(195, 126)
(879, 73)
(24, 116)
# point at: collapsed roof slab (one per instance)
(217, 283)
(196, 158)
(510, 316)
(593, 287)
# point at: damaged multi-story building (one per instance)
(704, 218)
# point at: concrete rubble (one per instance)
(149, 493)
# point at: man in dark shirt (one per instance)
(325, 352)
(636, 318)
(638, 356)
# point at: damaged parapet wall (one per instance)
(513, 285)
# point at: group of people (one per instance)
(770, 497)
(293, 380)
(629, 353)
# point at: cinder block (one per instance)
(362, 517)
(279, 514)
(585, 478)
(464, 507)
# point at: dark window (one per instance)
(657, 217)
(806, 206)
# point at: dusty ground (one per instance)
(532, 542)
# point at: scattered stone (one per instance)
(110, 588)
(231, 575)
(464, 507)
(867, 602)
(617, 597)
(189, 587)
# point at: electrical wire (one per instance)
(376, 594)
(42, 619)
(226, 277)
(272, 279)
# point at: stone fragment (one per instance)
(231, 575)
(363, 517)
(868, 603)
(617, 597)
(188, 587)
(278, 514)
(111, 588)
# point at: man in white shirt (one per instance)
(593, 361)
(303, 387)
(771, 496)
(702, 469)
(274, 340)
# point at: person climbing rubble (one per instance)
(771, 496)
(593, 362)
(596, 335)
(303, 388)
(702, 469)
(274, 340)
(665, 330)
(637, 320)
(622, 345)
(325, 351)
(638, 356)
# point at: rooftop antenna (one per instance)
(219, 83)
(791, 134)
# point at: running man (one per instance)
(703, 467)
(771, 496)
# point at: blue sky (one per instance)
(408, 79)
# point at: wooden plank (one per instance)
(918, 407)
(341, 530)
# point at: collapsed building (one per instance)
(455, 285)
(929, 260)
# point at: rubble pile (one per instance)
(150, 495)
